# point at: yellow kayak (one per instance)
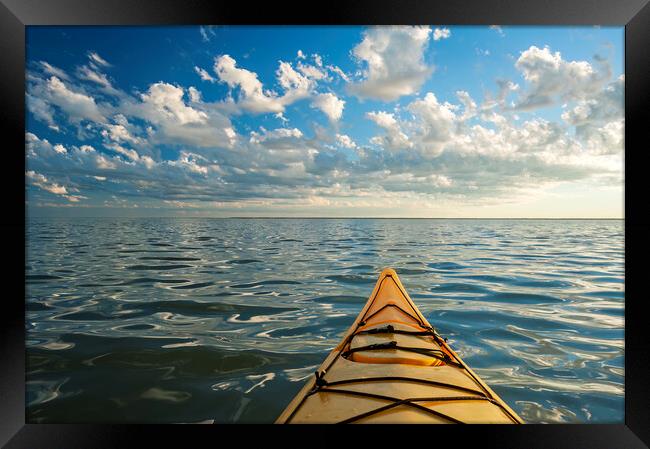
(393, 367)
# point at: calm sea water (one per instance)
(223, 320)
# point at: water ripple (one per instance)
(212, 320)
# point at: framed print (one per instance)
(378, 212)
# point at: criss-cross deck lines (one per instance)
(392, 366)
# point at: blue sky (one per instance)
(440, 121)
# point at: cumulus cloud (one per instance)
(295, 84)
(136, 175)
(167, 99)
(173, 120)
(345, 141)
(608, 139)
(190, 162)
(280, 138)
(604, 106)
(171, 117)
(337, 70)
(205, 76)
(120, 133)
(128, 153)
(41, 181)
(441, 33)
(318, 71)
(394, 138)
(469, 105)
(252, 95)
(437, 131)
(393, 62)
(42, 110)
(330, 105)
(61, 160)
(599, 120)
(165, 143)
(60, 149)
(75, 104)
(312, 72)
(550, 78)
(434, 124)
(194, 94)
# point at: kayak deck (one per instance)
(393, 367)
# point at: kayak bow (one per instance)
(393, 367)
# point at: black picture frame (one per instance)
(15, 15)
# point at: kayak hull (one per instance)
(393, 367)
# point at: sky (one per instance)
(325, 121)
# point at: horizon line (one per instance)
(263, 217)
(434, 218)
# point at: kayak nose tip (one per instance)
(388, 272)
